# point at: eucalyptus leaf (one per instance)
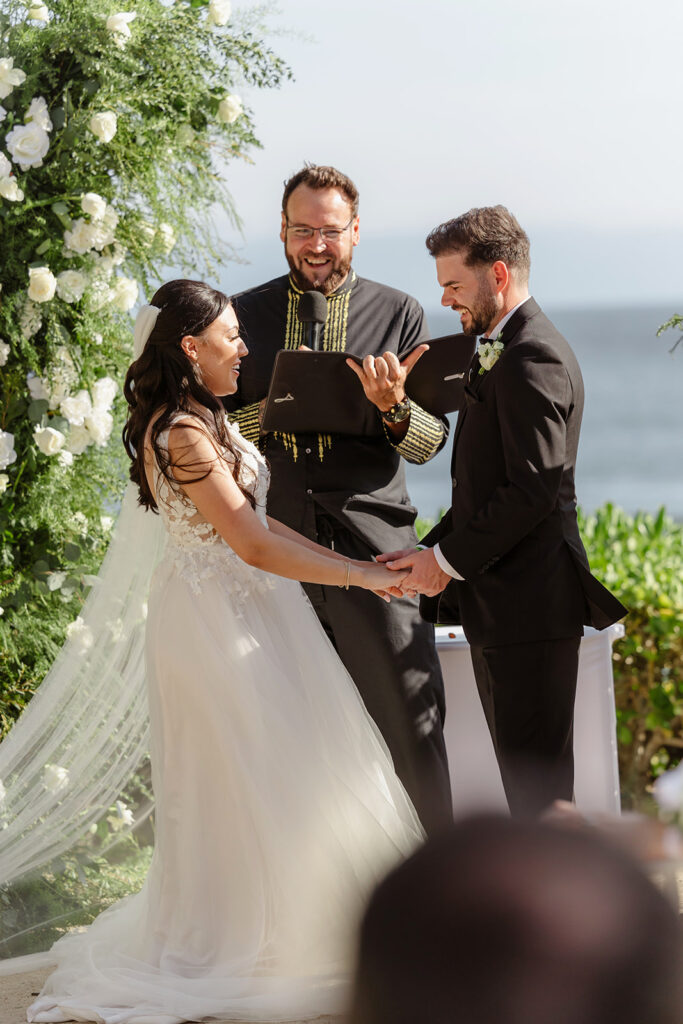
(72, 552)
(37, 409)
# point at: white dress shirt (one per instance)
(493, 333)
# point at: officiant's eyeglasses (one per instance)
(327, 234)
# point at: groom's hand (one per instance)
(425, 577)
(390, 556)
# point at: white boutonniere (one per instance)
(489, 353)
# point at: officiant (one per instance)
(349, 492)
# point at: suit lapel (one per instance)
(472, 373)
(474, 379)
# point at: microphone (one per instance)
(312, 311)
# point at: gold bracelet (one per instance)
(345, 584)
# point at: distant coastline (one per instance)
(631, 450)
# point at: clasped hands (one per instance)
(424, 574)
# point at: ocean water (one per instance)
(631, 449)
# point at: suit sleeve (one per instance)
(533, 397)
(426, 434)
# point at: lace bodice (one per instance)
(194, 546)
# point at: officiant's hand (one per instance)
(384, 377)
(426, 576)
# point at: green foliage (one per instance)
(170, 81)
(640, 558)
(69, 894)
(676, 322)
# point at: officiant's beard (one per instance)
(483, 311)
(340, 269)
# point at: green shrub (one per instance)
(640, 558)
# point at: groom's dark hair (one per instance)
(484, 234)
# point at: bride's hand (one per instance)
(373, 576)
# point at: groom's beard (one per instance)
(482, 314)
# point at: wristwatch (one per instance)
(398, 412)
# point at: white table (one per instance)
(474, 773)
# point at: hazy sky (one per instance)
(567, 112)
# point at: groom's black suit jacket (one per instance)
(512, 530)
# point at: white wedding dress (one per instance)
(277, 807)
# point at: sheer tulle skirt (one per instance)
(277, 811)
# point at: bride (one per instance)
(277, 807)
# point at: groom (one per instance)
(507, 560)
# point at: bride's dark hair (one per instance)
(163, 377)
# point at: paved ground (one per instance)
(17, 990)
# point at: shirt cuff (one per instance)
(444, 565)
(422, 439)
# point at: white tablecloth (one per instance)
(474, 773)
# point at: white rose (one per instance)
(80, 634)
(49, 440)
(38, 114)
(63, 377)
(100, 424)
(166, 237)
(30, 320)
(4, 481)
(55, 778)
(5, 166)
(102, 232)
(4, 352)
(103, 125)
(125, 293)
(3, 113)
(9, 76)
(95, 206)
(42, 284)
(219, 12)
(71, 285)
(79, 523)
(38, 12)
(37, 387)
(78, 440)
(229, 109)
(103, 392)
(76, 408)
(80, 236)
(7, 452)
(28, 144)
(124, 816)
(99, 294)
(10, 190)
(65, 458)
(117, 24)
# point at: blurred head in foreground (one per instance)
(509, 922)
